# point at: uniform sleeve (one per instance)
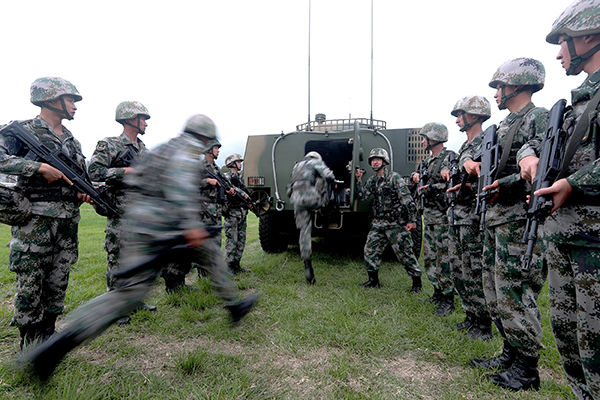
(99, 168)
(406, 200)
(10, 164)
(365, 191)
(586, 181)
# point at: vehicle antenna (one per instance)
(309, 17)
(371, 63)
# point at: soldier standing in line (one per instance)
(465, 244)
(43, 250)
(163, 208)
(110, 163)
(510, 292)
(572, 233)
(307, 191)
(234, 213)
(394, 217)
(435, 250)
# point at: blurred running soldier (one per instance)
(394, 217)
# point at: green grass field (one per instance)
(333, 340)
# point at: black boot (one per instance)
(373, 281)
(416, 285)
(242, 308)
(29, 335)
(47, 326)
(467, 323)
(43, 359)
(502, 361)
(235, 268)
(435, 297)
(446, 305)
(481, 329)
(309, 274)
(522, 374)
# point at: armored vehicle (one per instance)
(344, 145)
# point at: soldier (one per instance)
(435, 250)
(394, 217)
(465, 244)
(43, 250)
(234, 213)
(572, 233)
(307, 191)
(162, 209)
(510, 292)
(110, 163)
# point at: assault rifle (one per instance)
(489, 169)
(454, 180)
(227, 186)
(126, 159)
(59, 160)
(551, 154)
(423, 178)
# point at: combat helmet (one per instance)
(581, 18)
(46, 89)
(201, 125)
(320, 117)
(233, 158)
(525, 72)
(434, 132)
(313, 154)
(131, 109)
(381, 153)
(474, 105)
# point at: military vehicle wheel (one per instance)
(417, 237)
(269, 232)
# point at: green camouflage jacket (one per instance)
(435, 196)
(57, 199)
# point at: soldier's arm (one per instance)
(100, 169)
(586, 181)
(11, 164)
(406, 199)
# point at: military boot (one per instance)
(435, 297)
(373, 281)
(522, 374)
(309, 274)
(502, 361)
(481, 329)
(417, 286)
(467, 323)
(235, 268)
(241, 308)
(29, 335)
(44, 358)
(446, 305)
(47, 326)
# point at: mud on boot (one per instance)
(309, 273)
(502, 361)
(373, 281)
(522, 374)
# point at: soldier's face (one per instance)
(563, 54)
(376, 162)
(460, 119)
(215, 151)
(69, 102)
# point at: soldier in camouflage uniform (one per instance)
(163, 208)
(234, 213)
(307, 191)
(435, 246)
(110, 163)
(394, 217)
(43, 250)
(510, 292)
(465, 244)
(572, 233)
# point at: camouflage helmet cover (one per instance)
(581, 18)
(380, 153)
(313, 154)
(51, 88)
(233, 158)
(130, 109)
(520, 72)
(476, 105)
(435, 131)
(200, 124)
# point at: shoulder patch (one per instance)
(101, 145)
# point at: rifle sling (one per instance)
(579, 132)
(508, 140)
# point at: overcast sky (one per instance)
(245, 63)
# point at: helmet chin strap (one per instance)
(136, 126)
(62, 110)
(467, 126)
(577, 60)
(430, 145)
(504, 98)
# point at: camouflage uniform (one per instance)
(234, 213)
(107, 165)
(307, 191)
(393, 208)
(572, 233)
(43, 250)
(164, 202)
(213, 197)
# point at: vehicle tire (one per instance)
(417, 237)
(272, 240)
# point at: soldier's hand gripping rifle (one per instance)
(489, 168)
(551, 154)
(59, 160)
(423, 178)
(243, 196)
